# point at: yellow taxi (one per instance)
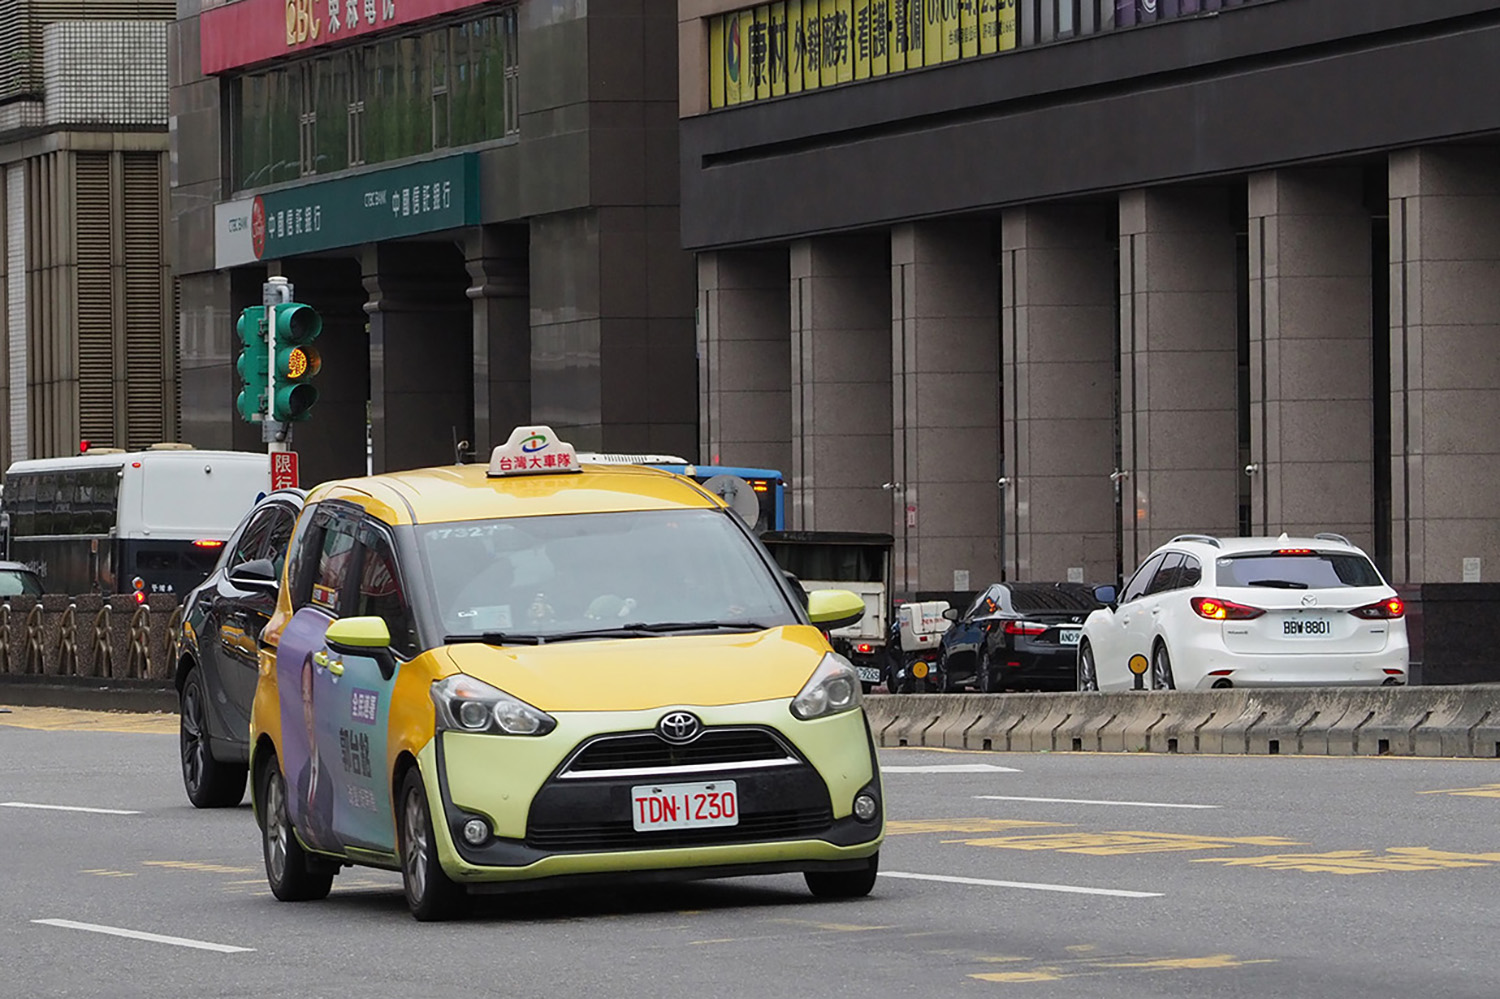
(484, 677)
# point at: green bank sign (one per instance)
(401, 201)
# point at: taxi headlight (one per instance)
(465, 704)
(834, 687)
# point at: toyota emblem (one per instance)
(679, 727)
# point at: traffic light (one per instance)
(252, 363)
(296, 362)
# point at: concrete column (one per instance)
(1058, 359)
(330, 443)
(945, 380)
(744, 359)
(1445, 322)
(1310, 409)
(499, 287)
(1178, 367)
(613, 364)
(841, 384)
(421, 338)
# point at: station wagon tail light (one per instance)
(864, 648)
(1224, 610)
(465, 704)
(1382, 610)
(1023, 628)
(833, 688)
(1294, 551)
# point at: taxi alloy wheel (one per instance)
(843, 884)
(1088, 678)
(430, 894)
(209, 783)
(292, 874)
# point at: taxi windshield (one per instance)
(554, 576)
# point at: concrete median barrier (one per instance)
(1455, 721)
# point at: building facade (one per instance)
(87, 302)
(1041, 283)
(479, 198)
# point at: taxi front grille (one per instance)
(647, 753)
(772, 825)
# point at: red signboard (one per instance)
(250, 31)
(283, 470)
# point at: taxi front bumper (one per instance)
(549, 824)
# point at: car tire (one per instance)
(985, 679)
(843, 884)
(944, 683)
(208, 782)
(293, 874)
(1161, 668)
(430, 894)
(1088, 674)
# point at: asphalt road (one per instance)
(1148, 876)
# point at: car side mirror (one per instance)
(951, 613)
(1106, 595)
(831, 609)
(257, 575)
(363, 636)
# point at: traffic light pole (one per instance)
(276, 435)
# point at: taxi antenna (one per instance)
(460, 448)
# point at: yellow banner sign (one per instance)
(776, 49)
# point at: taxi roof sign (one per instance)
(533, 451)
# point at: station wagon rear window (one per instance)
(1311, 571)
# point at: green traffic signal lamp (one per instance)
(296, 362)
(253, 363)
(251, 326)
(297, 323)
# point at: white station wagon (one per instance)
(1247, 612)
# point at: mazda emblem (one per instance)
(1309, 600)
(679, 727)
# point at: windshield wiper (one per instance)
(664, 626)
(495, 638)
(644, 629)
(1279, 584)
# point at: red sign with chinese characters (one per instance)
(283, 470)
(250, 31)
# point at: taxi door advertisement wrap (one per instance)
(306, 688)
(354, 742)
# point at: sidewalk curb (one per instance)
(88, 694)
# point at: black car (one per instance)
(216, 672)
(1016, 636)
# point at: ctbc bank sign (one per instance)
(250, 31)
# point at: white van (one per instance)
(111, 521)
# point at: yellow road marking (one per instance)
(1113, 844)
(831, 927)
(1482, 791)
(912, 827)
(68, 720)
(1003, 960)
(699, 943)
(106, 873)
(1394, 860)
(1037, 975)
(1192, 963)
(188, 865)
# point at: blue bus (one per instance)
(767, 484)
